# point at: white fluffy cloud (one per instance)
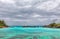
(48, 5)
(36, 15)
(7, 1)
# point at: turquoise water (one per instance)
(29, 33)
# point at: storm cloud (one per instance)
(29, 12)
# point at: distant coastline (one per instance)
(51, 25)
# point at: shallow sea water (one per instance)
(29, 33)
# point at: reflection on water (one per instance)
(29, 33)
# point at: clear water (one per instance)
(29, 33)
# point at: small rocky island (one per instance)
(2, 24)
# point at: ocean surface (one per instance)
(29, 33)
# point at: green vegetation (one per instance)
(2, 24)
(54, 25)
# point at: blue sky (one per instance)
(29, 12)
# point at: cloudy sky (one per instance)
(29, 12)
